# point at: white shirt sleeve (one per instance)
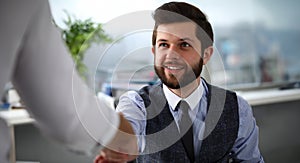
(46, 79)
(132, 107)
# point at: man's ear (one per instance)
(153, 50)
(207, 54)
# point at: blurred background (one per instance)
(256, 41)
(256, 54)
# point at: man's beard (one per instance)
(188, 77)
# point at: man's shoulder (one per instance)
(152, 93)
(211, 88)
(150, 88)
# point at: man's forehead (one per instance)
(180, 30)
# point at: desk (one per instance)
(270, 122)
(270, 96)
(12, 118)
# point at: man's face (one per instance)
(177, 54)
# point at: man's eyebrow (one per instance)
(182, 39)
(186, 39)
(161, 40)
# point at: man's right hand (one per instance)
(123, 147)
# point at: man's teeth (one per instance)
(173, 68)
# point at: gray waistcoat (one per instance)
(163, 143)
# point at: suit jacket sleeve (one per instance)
(45, 77)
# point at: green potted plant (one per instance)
(79, 36)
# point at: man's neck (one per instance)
(188, 89)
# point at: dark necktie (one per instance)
(186, 130)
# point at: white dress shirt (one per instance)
(192, 100)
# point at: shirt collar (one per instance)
(193, 99)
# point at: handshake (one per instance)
(122, 148)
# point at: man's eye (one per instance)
(185, 44)
(163, 45)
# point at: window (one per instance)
(256, 42)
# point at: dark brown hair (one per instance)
(173, 12)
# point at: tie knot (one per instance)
(184, 106)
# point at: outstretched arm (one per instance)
(123, 147)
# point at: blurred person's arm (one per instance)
(110, 154)
(45, 77)
(132, 107)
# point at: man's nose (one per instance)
(173, 52)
